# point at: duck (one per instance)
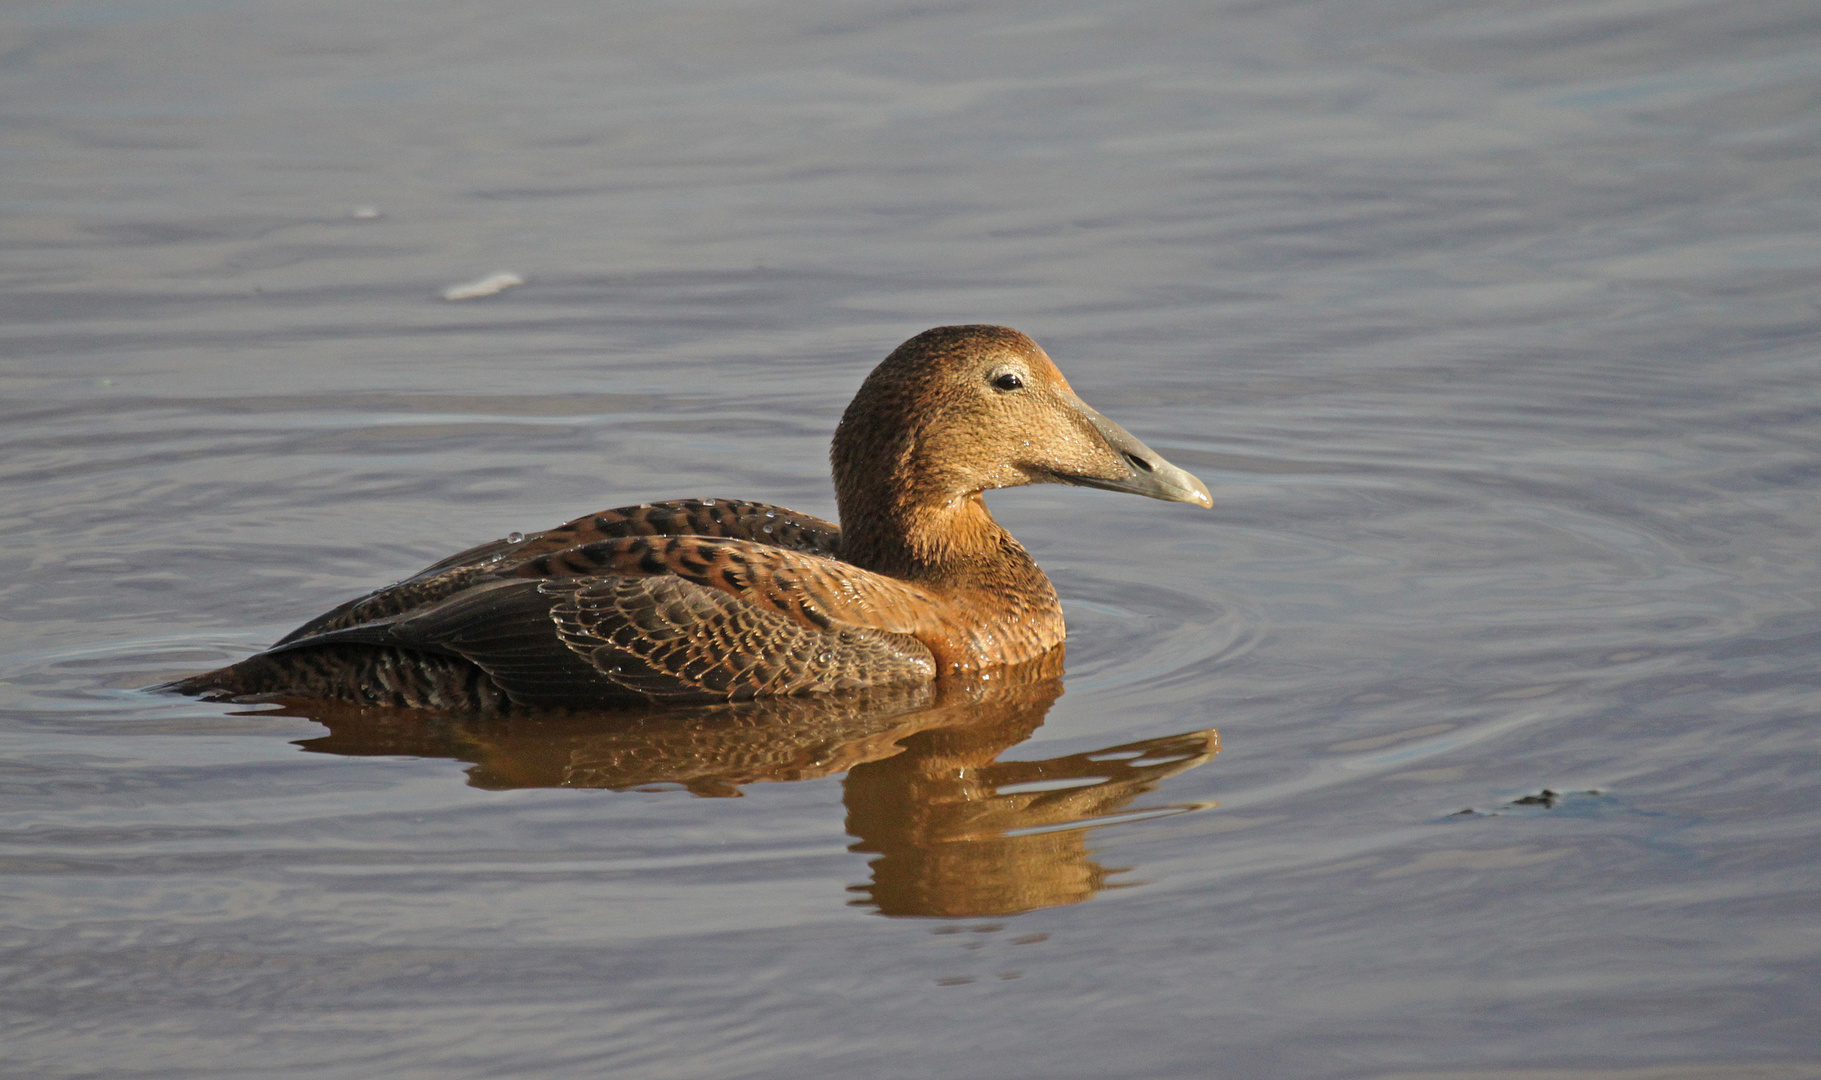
(712, 599)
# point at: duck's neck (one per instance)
(939, 543)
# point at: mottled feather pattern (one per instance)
(658, 617)
(649, 615)
(733, 518)
(666, 637)
(737, 519)
(814, 592)
(362, 675)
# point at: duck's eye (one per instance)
(1009, 381)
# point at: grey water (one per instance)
(1494, 326)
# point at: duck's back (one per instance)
(705, 599)
(759, 523)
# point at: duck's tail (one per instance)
(355, 673)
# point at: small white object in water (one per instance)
(364, 212)
(497, 282)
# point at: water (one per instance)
(1493, 326)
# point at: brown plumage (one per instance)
(710, 599)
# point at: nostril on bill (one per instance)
(1138, 463)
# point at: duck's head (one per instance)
(959, 410)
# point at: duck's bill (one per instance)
(1150, 475)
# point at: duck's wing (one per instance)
(814, 591)
(583, 641)
(665, 637)
(757, 523)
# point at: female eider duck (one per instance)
(717, 599)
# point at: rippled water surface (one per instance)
(1494, 326)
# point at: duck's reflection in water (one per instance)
(956, 832)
